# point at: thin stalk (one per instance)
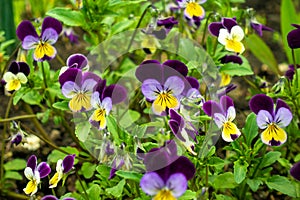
(79, 179)
(13, 195)
(295, 67)
(60, 60)
(17, 118)
(44, 75)
(205, 28)
(11, 57)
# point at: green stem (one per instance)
(295, 67)
(17, 118)
(205, 28)
(44, 75)
(12, 195)
(79, 179)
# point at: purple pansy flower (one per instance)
(259, 28)
(16, 75)
(295, 171)
(42, 45)
(78, 61)
(223, 114)
(51, 197)
(17, 138)
(293, 37)
(192, 8)
(271, 120)
(34, 173)
(167, 173)
(290, 72)
(183, 130)
(62, 168)
(69, 33)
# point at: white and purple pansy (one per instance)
(34, 173)
(78, 61)
(192, 8)
(271, 120)
(62, 168)
(42, 44)
(223, 114)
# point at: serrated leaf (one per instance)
(67, 16)
(254, 184)
(15, 164)
(270, 158)
(13, 175)
(82, 130)
(250, 129)
(129, 175)
(240, 171)
(63, 105)
(117, 190)
(281, 184)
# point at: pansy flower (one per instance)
(42, 44)
(167, 173)
(183, 130)
(289, 74)
(259, 28)
(293, 37)
(271, 120)
(77, 61)
(79, 89)
(229, 34)
(34, 173)
(192, 8)
(62, 168)
(223, 114)
(51, 197)
(295, 171)
(70, 34)
(16, 75)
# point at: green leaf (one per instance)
(15, 164)
(117, 3)
(129, 175)
(129, 118)
(288, 16)
(281, 184)
(13, 175)
(262, 52)
(240, 171)
(188, 195)
(270, 158)
(67, 16)
(32, 97)
(223, 197)
(121, 26)
(88, 169)
(216, 162)
(55, 155)
(103, 170)
(250, 129)
(112, 127)
(94, 192)
(117, 190)
(82, 130)
(254, 184)
(219, 183)
(63, 105)
(234, 69)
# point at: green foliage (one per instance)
(281, 184)
(250, 129)
(67, 16)
(240, 171)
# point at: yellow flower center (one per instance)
(165, 100)
(234, 45)
(99, 116)
(31, 187)
(164, 195)
(79, 101)
(194, 9)
(229, 129)
(14, 84)
(44, 49)
(273, 132)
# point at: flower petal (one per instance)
(30, 42)
(32, 162)
(211, 107)
(231, 58)
(78, 61)
(22, 77)
(44, 169)
(26, 28)
(149, 69)
(49, 197)
(71, 74)
(68, 89)
(150, 87)
(14, 67)
(231, 113)
(237, 33)
(261, 102)
(283, 117)
(50, 36)
(174, 68)
(274, 135)
(107, 104)
(177, 183)
(31, 187)
(95, 100)
(214, 28)
(9, 76)
(88, 85)
(50, 22)
(151, 183)
(293, 39)
(28, 172)
(24, 68)
(295, 171)
(263, 119)
(116, 92)
(223, 35)
(230, 132)
(184, 166)
(175, 84)
(226, 102)
(281, 104)
(68, 163)
(228, 23)
(219, 119)
(44, 51)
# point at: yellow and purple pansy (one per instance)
(192, 8)
(34, 173)
(229, 34)
(16, 75)
(271, 120)
(223, 114)
(42, 44)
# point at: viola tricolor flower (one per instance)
(259, 28)
(271, 120)
(167, 173)
(34, 173)
(290, 72)
(51, 197)
(223, 114)
(192, 8)
(77, 61)
(183, 130)
(293, 37)
(295, 171)
(42, 45)
(16, 75)
(229, 34)
(62, 168)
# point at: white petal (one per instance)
(9, 76)
(107, 104)
(175, 84)
(95, 100)
(263, 118)
(68, 89)
(231, 113)
(59, 167)
(237, 33)
(22, 77)
(28, 173)
(219, 119)
(223, 36)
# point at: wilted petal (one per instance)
(211, 107)
(263, 119)
(32, 162)
(261, 102)
(68, 163)
(30, 42)
(283, 117)
(150, 87)
(50, 22)
(295, 171)
(26, 28)
(44, 169)
(214, 28)
(50, 36)
(177, 183)
(175, 84)
(151, 183)
(77, 61)
(17, 139)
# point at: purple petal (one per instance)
(174, 125)
(70, 74)
(174, 68)
(183, 165)
(101, 85)
(91, 75)
(231, 58)
(295, 171)
(151, 183)
(24, 68)
(211, 107)
(294, 39)
(77, 61)
(225, 103)
(168, 23)
(50, 36)
(150, 87)
(150, 69)
(193, 82)
(296, 26)
(68, 163)
(228, 23)
(17, 139)
(283, 117)
(14, 67)
(50, 22)
(261, 102)
(116, 92)
(259, 28)
(32, 162)
(49, 197)
(26, 28)
(112, 172)
(177, 183)
(214, 28)
(44, 169)
(281, 104)
(290, 72)
(30, 42)
(263, 119)
(160, 34)
(175, 116)
(175, 84)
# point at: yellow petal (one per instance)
(275, 133)
(235, 46)
(164, 195)
(54, 180)
(31, 187)
(194, 9)
(44, 49)
(80, 102)
(225, 79)
(230, 131)
(99, 116)
(13, 85)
